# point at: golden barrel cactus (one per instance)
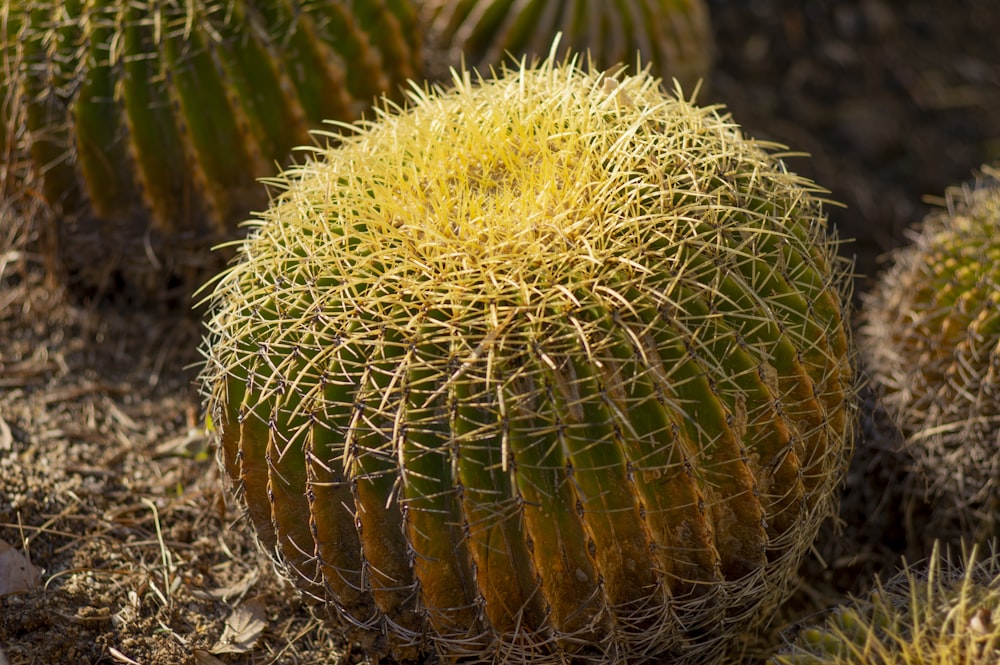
(148, 123)
(551, 366)
(672, 37)
(942, 613)
(931, 341)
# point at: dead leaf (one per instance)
(231, 591)
(202, 657)
(243, 627)
(17, 575)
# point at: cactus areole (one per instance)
(551, 366)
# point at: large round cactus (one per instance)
(673, 37)
(943, 613)
(150, 122)
(552, 366)
(932, 344)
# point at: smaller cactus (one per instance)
(944, 613)
(931, 340)
(673, 36)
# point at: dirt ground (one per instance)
(118, 543)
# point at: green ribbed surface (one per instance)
(672, 37)
(150, 122)
(553, 367)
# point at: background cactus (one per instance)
(674, 37)
(555, 366)
(932, 344)
(150, 122)
(944, 613)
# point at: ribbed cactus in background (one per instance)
(943, 613)
(151, 121)
(932, 344)
(552, 367)
(673, 37)
(18, 206)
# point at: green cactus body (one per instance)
(673, 37)
(943, 613)
(932, 344)
(555, 366)
(150, 123)
(12, 112)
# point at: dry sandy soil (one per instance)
(118, 543)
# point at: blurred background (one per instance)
(894, 101)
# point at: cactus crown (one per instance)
(932, 343)
(942, 613)
(534, 368)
